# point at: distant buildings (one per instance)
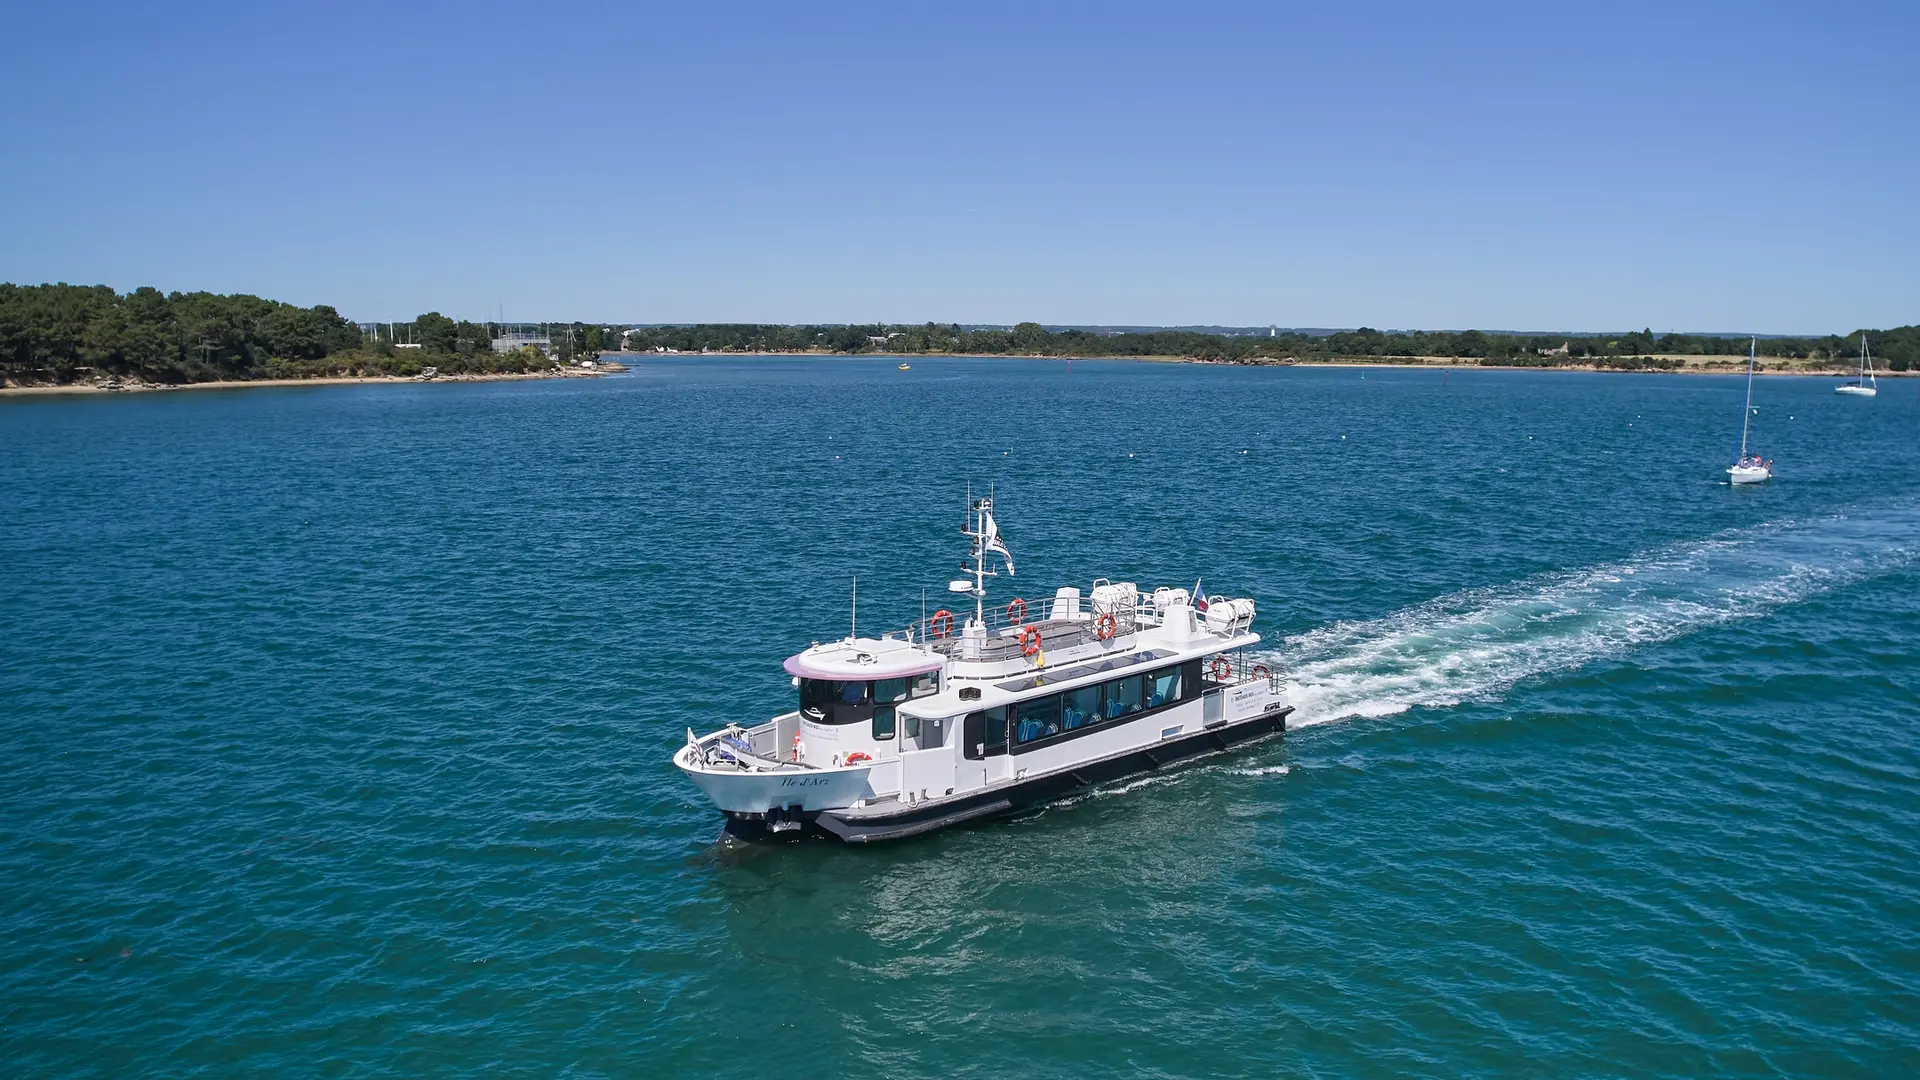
(1563, 350)
(523, 337)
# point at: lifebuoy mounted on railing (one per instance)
(941, 624)
(855, 758)
(1222, 670)
(1259, 671)
(1105, 627)
(1029, 641)
(1016, 611)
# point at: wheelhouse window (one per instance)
(926, 684)
(836, 701)
(825, 693)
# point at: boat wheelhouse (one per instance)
(1012, 706)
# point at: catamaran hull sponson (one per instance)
(1006, 798)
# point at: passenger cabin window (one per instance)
(1079, 708)
(1036, 719)
(1126, 696)
(1112, 702)
(984, 734)
(926, 684)
(932, 733)
(1163, 687)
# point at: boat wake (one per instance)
(1473, 645)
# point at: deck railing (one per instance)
(1080, 622)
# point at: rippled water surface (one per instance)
(334, 726)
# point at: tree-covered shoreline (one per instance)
(54, 335)
(63, 334)
(1897, 349)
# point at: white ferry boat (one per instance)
(1014, 706)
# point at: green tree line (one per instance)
(1897, 349)
(68, 333)
(57, 334)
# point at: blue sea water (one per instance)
(334, 726)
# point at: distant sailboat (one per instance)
(906, 367)
(1749, 469)
(1866, 385)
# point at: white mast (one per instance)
(1866, 363)
(1747, 413)
(984, 533)
(976, 531)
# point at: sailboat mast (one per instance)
(979, 566)
(1746, 414)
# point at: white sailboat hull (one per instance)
(1857, 391)
(1748, 474)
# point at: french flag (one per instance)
(1199, 596)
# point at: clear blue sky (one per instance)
(1739, 167)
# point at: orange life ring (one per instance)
(1016, 611)
(1104, 627)
(1260, 671)
(1029, 640)
(1222, 671)
(857, 756)
(941, 624)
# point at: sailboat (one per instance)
(1749, 469)
(1866, 385)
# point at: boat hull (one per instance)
(786, 790)
(1856, 391)
(1739, 475)
(1001, 799)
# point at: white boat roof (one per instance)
(860, 659)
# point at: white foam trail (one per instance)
(1471, 646)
